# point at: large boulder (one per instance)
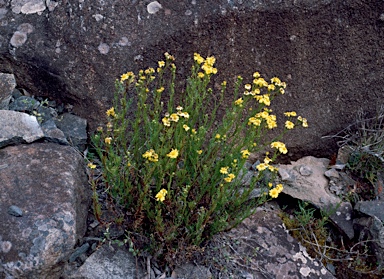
(44, 204)
(329, 52)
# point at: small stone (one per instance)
(79, 251)
(154, 7)
(18, 39)
(15, 211)
(103, 48)
(305, 171)
(332, 173)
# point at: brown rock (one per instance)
(48, 183)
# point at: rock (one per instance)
(48, 182)
(24, 104)
(7, 85)
(78, 252)
(78, 48)
(52, 133)
(372, 228)
(273, 253)
(371, 208)
(343, 219)
(18, 127)
(74, 128)
(15, 211)
(192, 271)
(312, 188)
(109, 261)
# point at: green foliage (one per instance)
(175, 166)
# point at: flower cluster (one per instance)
(207, 64)
(274, 192)
(151, 155)
(257, 119)
(174, 117)
(279, 146)
(160, 196)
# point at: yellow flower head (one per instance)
(239, 102)
(210, 60)
(151, 155)
(108, 140)
(256, 74)
(290, 113)
(173, 154)
(248, 87)
(262, 166)
(166, 121)
(169, 57)
(279, 187)
(179, 108)
(255, 121)
(289, 125)
(160, 90)
(199, 151)
(161, 64)
(229, 178)
(128, 75)
(186, 128)
(274, 193)
(183, 114)
(200, 75)
(245, 153)
(280, 146)
(91, 166)
(271, 87)
(218, 136)
(197, 57)
(160, 196)
(224, 170)
(111, 112)
(174, 117)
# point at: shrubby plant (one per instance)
(175, 166)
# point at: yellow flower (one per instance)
(179, 108)
(200, 75)
(99, 129)
(197, 57)
(161, 89)
(186, 128)
(282, 91)
(256, 74)
(173, 154)
(210, 60)
(111, 112)
(279, 187)
(280, 146)
(166, 121)
(255, 121)
(290, 113)
(199, 151)
(248, 87)
(289, 125)
(262, 166)
(271, 87)
(174, 117)
(245, 153)
(160, 196)
(229, 178)
(169, 57)
(239, 102)
(91, 166)
(276, 81)
(183, 114)
(161, 64)
(151, 155)
(267, 160)
(273, 169)
(149, 71)
(270, 184)
(260, 82)
(274, 193)
(217, 136)
(224, 83)
(224, 170)
(108, 140)
(126, 76)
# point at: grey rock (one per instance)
(7, 85)
(192, 271)
(312, 188)
(18, 127)
(15, 211)
(49, 181)
(79, 251)
(343, 218)
(109, 261)
(371, 208)
(332, 173)
(74, 128)
(46, 113)
(52, 133)
(25, 104)
(305, 170)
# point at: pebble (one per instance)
(15, 211)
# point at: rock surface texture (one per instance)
(44, 190)
(329, 52)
